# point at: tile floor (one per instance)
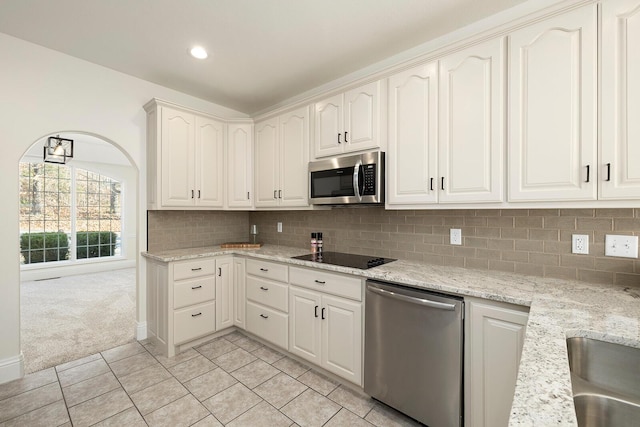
(232, 380)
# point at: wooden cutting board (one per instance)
(240, 245)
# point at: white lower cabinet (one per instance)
(224, 293)
(494, 339)
(326, 329)
(239, 292)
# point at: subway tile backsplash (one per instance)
(527, 241)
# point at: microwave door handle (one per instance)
(356, 180)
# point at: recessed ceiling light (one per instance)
(198, 52)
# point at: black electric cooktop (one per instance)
(362, 262)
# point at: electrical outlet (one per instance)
(621, 246)
(580, 244)
(455, 236)
(279, 227)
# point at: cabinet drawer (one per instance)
(331, 283)
(195, 268)
(271, 294)
(268, 324)
(194, 322)
(193, 291)
(268, 270)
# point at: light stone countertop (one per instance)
(559, 309)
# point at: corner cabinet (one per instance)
(553, 114)
(494, 340)
(281, 160)
(350, 121)
(239, 156)
(185, 153)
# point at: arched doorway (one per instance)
(78, 226)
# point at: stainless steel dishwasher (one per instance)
(414, 352)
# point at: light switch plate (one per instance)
(580, 244)
(621, 246)
(279, 225)
(455, 236)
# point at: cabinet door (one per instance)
(342, 338)
(362, 117)
(553, 118)
(239, 292)
(496, 339)
(472, 124)
(267, 163)
(304, 324)
(178, 154)
(413, 136)
(224, 293)
(294, 158)
(329, 132)
(209, 162)
(239, 165)
(620, 144)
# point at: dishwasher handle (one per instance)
(413, 300)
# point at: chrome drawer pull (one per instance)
(321, 282)
(196, 315)
(196, 287)
(196, 269)
(264, 269)
(263, 288)
(264, 317)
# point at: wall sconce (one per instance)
(58, 150)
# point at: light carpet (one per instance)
(72, 317)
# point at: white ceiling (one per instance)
(261, 51)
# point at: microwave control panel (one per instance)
(369, 172)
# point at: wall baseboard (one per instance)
(51, 271)
(141, 331)
(11, 368)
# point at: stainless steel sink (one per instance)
(605, 378)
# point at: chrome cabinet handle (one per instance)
(263, 288)
(264, 317)
(196, 315)
(196, 287)
(196, 269)
(320, 281)
(264, 269)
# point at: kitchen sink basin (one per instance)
(605, 378)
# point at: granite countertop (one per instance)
(559, 309)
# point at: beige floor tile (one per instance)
(318, 382)
(357, 403)
(168, 362)
(209, 384)
(122, 351)
(132, 364)
(291, 367)
(232, 402)
(383, 416)
(216, 348)
(280, 390)
(234, 360)
(100, 408)
(88, 389)
(263, 415)
(183, 412)
(159, 395)
(82, 372)
(28, 382)
(144, 378)
(129, 418)
(29, 401)
(234, 336)
(192, 368)
(78, 362)
(310, 409)
(209, 421)
(248, 344)
(347, 418)
(255, 373)
(54, 414)
(267, 354)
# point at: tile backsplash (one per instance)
(528, 241)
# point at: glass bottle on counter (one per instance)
(314, 243)
(319, 244)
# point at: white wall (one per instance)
(43, 92)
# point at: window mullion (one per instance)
(74, 213)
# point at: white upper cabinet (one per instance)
(349, 122)
(620, 143)
(471, 144)
(282, 157)
(413, 136)
(240, 165)
(177, 146)
(209, 163)
(553, 115)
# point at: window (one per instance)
(67, 214)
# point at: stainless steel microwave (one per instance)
(357, 179)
